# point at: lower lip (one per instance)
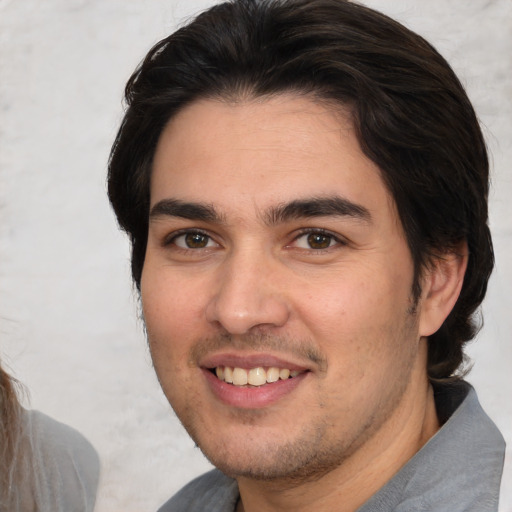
(251, 397)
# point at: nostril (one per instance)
(241, 316)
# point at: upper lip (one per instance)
(250, 360)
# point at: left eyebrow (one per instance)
(332, 206)
(186, 210)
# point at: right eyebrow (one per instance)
(331, 206)
(185, 210)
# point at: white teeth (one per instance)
(255, 376)
(228, 374)
(284, 374)
(239, 377)
(273, 374)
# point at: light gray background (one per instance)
(68, 323)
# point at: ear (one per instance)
(442, 283)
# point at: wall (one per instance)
(68, 321)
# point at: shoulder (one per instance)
(463, 463)
(212, 491)
(62, 459)
(55, 440)
(57, 433)
(458, 469)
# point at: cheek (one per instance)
(170, 326)
(170, 317)
(360, 323)
(347, 304)
(171, 306)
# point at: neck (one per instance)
(357, 478)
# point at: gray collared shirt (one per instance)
(458, 470)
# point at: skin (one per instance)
(247, 282)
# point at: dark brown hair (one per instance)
(411, 114)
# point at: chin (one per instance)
(293, 461)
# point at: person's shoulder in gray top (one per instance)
(212, 491)
(458, 470)
(57, 469)
(460, 467)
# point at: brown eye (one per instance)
(196, 240)
(319, 241)
(193, 240)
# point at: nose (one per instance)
(247, 296)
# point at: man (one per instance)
(304, 183)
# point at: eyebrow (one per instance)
(332, 206)
(185, 210)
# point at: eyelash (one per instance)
(322, 232)
(171, 239)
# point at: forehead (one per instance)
(263, 152)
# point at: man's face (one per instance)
(275, 249)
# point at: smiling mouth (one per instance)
(254, 377)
